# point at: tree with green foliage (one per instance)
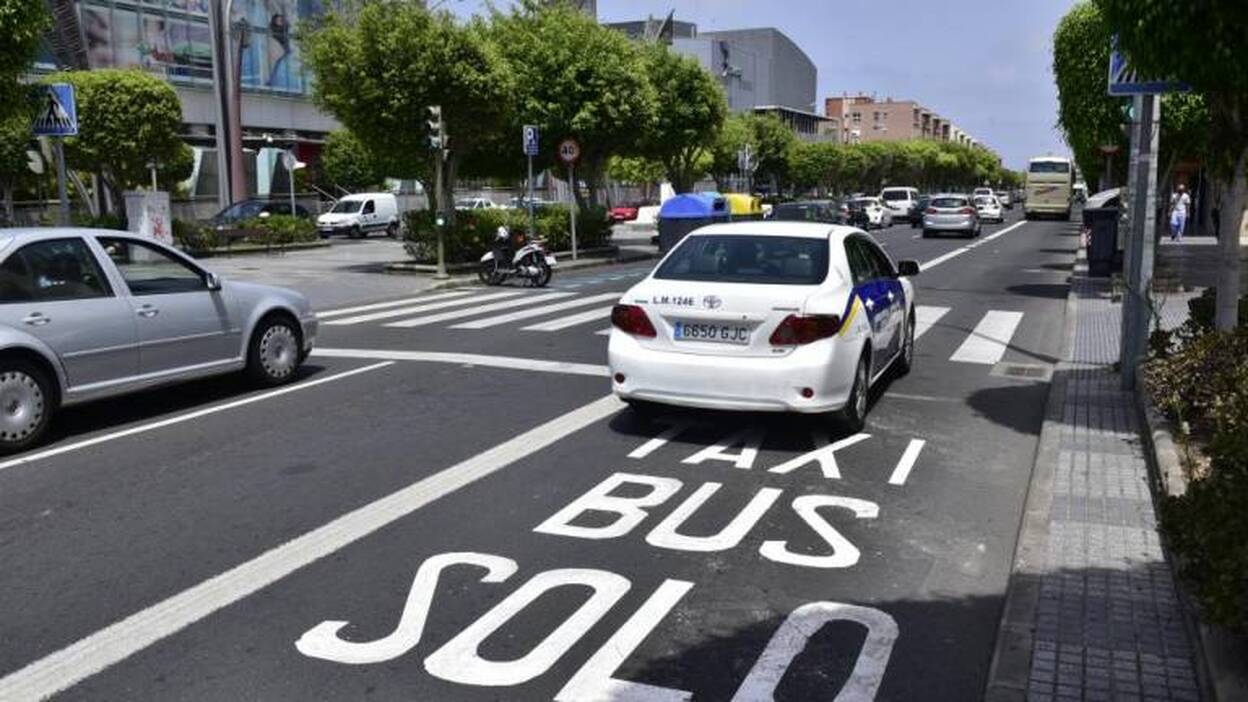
(1087, 115)
(348, 164)
(1203, 44)
(574, 78)
(127, 120)
(773, 142)
(816, 166)
(22, 23)
(15, 140)
(733, 136)
(691, 108)
(379, 65)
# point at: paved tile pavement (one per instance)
(1108, 625)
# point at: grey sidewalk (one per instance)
(1092, 612)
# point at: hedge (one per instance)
(275, 230)
(1204, 385)
(473, 232)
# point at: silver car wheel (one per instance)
(21, 406)
(279, 351)
(861, 391)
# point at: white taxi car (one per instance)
(765, 316)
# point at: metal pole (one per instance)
(529, 199)
(437, 215)
(1136, 317)
(290, 176)
(572, 209)
(61, 190)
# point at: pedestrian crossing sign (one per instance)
(1125, 82)
(57, 115)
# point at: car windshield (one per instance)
(347, 206)
(865, 201)
(743, 258)
(949, 202)
(243, 210)
(895, 195)
(983, 200)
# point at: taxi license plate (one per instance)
(718, 333)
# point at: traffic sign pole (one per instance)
(61, 189)
(529, 137)
(1136, 313)
(572, 209)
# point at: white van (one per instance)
(361, 214)
(900, 202)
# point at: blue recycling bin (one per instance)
(685, 213)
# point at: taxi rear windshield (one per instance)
(762, 260)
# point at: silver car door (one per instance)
(56, 291)
(182, 324)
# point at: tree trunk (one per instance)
(1232, 216)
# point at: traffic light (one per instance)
(437, 133)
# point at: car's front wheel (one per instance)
(25, 405)
(854, 416)
(275, 351)
(906, 361)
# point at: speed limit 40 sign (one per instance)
(569, 151)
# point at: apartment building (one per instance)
(865, 118)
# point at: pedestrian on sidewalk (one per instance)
(1180, 203)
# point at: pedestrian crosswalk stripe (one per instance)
(990, 338)
(417, 309)
(388, 305)
(479, 309)
(537, 312)
(571, 321)
(925, 317)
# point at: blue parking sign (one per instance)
(57, 115)
(530, 140)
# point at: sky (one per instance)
(985, 64)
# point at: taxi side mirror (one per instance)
(907, 269)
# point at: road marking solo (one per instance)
(469, 359)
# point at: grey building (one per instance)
(762, 67)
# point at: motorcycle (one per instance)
(518, 258)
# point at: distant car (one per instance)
(360, 214)
(989, 209)
(870, 213)
(520, 203)
(900, 202)
(951, 213)
(1006, 201)
(765, 316)
(475, 203)
(90, 313)
(624, 213)
(825, 211)
(982, 191)
(246, 210)
(920, 206)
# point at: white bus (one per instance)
(1050, 187)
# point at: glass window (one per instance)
(763, 260)
(861, 266)
(346, 206)
(1049, 167)
(59, 269)
(152, 271)
(949, 202)
(880, 261)
(370, 208)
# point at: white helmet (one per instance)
(502, 234)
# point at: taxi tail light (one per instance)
(632, 319)
(797, 330)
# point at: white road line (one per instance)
(537, 312)
(480, 309)
(469, 359)
(143, 428)
(408, 311)
(987, 343)
(67, 667)
(571, 321)
(906, 464)
(925, 317)
(969, 247)
(604, 332)
(392, 303)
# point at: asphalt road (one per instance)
(448, 505)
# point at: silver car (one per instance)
(951, 213)
(87, 313)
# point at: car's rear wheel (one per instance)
(25, 405)
(392, 230)
(854, 416)
(275, 351)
